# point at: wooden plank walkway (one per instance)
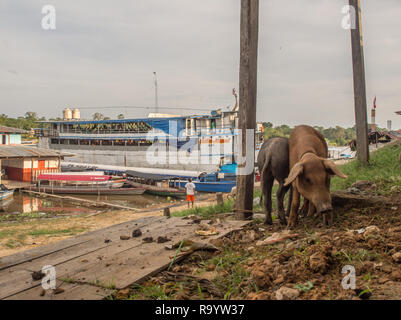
(88, 267)
(81, 201)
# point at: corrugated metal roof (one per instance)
(4, 129)
(29, 152)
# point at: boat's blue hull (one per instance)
(219, 186)
(6, 194)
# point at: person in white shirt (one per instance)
(190, 188)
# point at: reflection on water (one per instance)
(22, 203)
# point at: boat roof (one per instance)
(150, 176)
(72, 177)
(20, 151)
(122, 169)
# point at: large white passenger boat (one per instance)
(198, 142)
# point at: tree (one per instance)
(267, 125)
(120, 116)
(31, 115)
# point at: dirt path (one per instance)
(19, 236)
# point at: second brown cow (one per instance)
(310, 172)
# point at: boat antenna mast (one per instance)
(156, 97)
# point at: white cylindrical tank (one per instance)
(67, 114)
(76, 114)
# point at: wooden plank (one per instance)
(71, 292)
(39, 252)
(18, 278)
(124, 262)
(358, 63)
(247, 102)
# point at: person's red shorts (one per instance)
(190, 198)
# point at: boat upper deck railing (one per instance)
(199, 131)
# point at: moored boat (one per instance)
(218, 181)
(156, 184)
(84, 179)
(207, 186)
(159, 191)
(87, 190)
(83, 184)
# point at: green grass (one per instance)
(14, 238)
(232, 262)
(207, 211)
(156, 292)
(42, 232)
(23, 216)
(384, 169)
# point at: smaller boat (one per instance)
(207, 186)
(5, 194)
(220, 181)
(159, 191)
(87, 190)
(84, 179)
(156, 184)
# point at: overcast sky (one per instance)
(103, 53)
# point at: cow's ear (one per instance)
(294, 173)
(333, 170)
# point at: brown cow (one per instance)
(310, 172)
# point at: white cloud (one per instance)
(104, 53)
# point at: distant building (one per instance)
(10, 136)
(25, 163)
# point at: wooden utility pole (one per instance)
(247, 100)
(362, 144)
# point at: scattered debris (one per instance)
(162, 239)
(363, 294)
(206, 230)
(147, 239)
(58, 290)
(136, 233)
(285, 293)
(189, 245)
(37, 275)
(277, 237)
(397, 257)
(371, 230)
(123, 294)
